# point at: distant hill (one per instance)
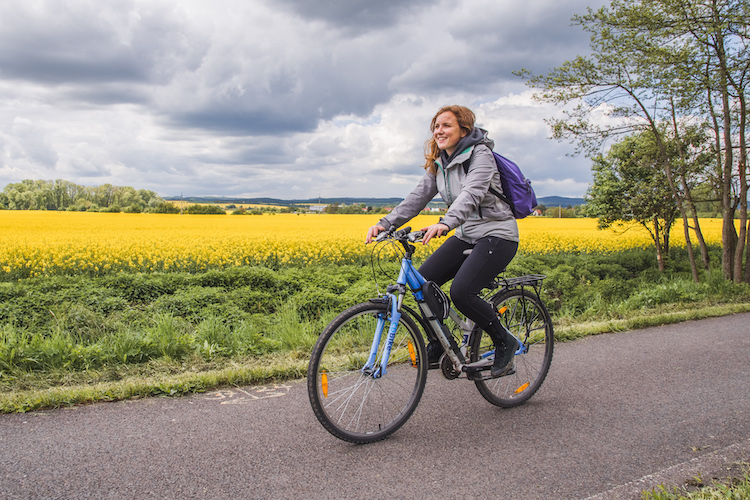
(556, 201)
(373, 202)
(548, 201)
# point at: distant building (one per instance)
(317, 208)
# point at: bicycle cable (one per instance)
(377, 257)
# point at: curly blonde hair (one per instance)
(465, 118)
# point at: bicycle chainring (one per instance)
(446, 366)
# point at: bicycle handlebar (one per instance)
(402, 235)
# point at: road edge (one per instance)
(710, 465)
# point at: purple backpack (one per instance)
(517, 191)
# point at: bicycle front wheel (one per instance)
(524, 315)
(362, 406)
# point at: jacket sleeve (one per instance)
(414, 202)
(476, 183)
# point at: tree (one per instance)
(64, 195)
(655, 62)
(627, 188)
(714, 80)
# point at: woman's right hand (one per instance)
(373, 232)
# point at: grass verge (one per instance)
(179, 378)
(736, 485)
(155, 381)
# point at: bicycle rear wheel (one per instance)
(527, 318)
(362, 407)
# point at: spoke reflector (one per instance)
(502, 309)
(522, 388)
(412, 354)
(324, 384)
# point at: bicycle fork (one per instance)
(393, 315)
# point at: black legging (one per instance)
(471, 273)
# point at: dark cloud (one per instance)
(250, 121)
(282, 95)
(479, 52)
(94, 42)
(362, 15)
(278, 99)
(250, 151)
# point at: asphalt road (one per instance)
(618, 413)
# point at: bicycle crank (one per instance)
(446, 366)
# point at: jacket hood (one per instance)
(476, 136)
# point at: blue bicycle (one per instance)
(368, 369)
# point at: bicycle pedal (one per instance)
(487, 376)
(478, 365)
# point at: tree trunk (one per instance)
(728, 233)
(705, 259)
(657, 242)
(742, 171)
(689, 247)
(679, 195)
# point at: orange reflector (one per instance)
(502, 309)
(522, 388)
(324, 384)
(412, 354)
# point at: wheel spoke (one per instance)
(524, 315)
(359, 406)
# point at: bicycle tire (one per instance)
(525, 316)
(355, 406)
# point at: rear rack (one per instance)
(534, 280)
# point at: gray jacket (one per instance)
(473, 211)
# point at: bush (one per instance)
(142, 288)
(81, 323)
(205, 210)
(164, 208)
(189, 303)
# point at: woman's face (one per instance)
(447, 133)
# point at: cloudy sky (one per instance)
(279, 98)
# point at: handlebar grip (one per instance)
(402, 232)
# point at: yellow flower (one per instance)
(45, 243)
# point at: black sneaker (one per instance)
(501, 370)
(505, 359)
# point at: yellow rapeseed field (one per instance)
(35, 243)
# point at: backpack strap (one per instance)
(491, 189)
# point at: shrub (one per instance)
(205, 210)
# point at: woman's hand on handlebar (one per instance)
(373, 232)
(433, 231)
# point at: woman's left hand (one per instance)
(435, 230)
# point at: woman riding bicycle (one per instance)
(459, 165)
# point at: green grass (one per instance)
(732, 488)
(23, 391)
(157, 379)
(67, 340)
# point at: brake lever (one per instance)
(415, 236)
